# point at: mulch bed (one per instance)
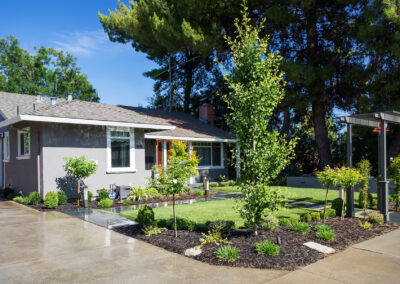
(293, 253)
(94, 205)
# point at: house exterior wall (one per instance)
(22, 174)
(65, 140)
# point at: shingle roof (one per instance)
(185, 124)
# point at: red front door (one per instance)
(159, 150)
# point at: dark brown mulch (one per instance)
(94, 205)
(293, 253)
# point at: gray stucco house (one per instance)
(37, 133)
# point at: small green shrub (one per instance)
(227, 253)
(89, 196)
(184, 224)
(224, 183)
(51, 200)
(212, 238)
(323, 227)
(18, 198)
(231, 183)
(221, 226)
(186, 189)
(270, 223)
(299, 227)
(325, 235)
(199, 192)
(267, 248)
(152, 230)
(294, 218)
(329, 213)
(306, 217)
(392, 197)
(105, 203)
(375, 218)
(284, 222)
(366, 226)
(213, 184)
(10, 196)
(223, 178)
(337, 204)
(25, 199)
(35, 198)
(145, 216)
(126, 202)
(103, 194)
(62, 197)
(315, 216)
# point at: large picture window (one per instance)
(24, 144)
(210, 154)
(121, 150)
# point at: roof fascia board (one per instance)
(359, 121)
(389, 117)
(83, 122)
(149, 136)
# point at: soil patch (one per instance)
(293, 253)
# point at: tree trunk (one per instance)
(173, 209)
(255, 229)
(321, 134)
(326, 201)
(286, 121)
(189, 66)
(79, 190)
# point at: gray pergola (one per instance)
(374, 120)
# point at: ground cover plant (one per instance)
(267, 248)
(106, 202)
(227, 253)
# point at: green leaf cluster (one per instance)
(79, 167)
(394, 173)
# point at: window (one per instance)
(120, 150)
(6, 146)
(210, 154)
(24, 144)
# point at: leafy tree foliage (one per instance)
(364, 166)
(394, 172)
(48, 72)
(329, 179)
(256, 83)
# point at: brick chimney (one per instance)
(206, 113)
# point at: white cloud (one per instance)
(86, 43)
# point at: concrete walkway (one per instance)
(52, 247)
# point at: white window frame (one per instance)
(22, 156)
(132, 167)
(211, 167)
(6, 147)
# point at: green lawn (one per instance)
(224, 209)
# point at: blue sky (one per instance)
(114, 69)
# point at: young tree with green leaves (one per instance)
(79, 168)
(47, 72)
(327, 178)
(394, 173)
(364, 167)
(181, 166)
(347, 177)
(256, 84)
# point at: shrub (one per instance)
(213, 184)
(337, 204)
(231, 183)
(299, 227)
(103, 194)
(184, 224)
(221, 226)
(315, 216)
(199, 192)
(142, 193)
(62, 197)
(18, 198)
(89, 196)
(51, 200)
(105, 203)
(227, 253)
(145, 216)
(35, 198)
(224, 183)
(294, 218)
(270, 223)
(126, 202)
(212, 238)
(306, 217)
(223, 178)
(186, 189)
(323, 227)
(329, 212)
(8, 191)
(267, 248)
(375, 218)
(10, 196)
(325, 235)
(366, 226)
(152, 230)
(284, 222)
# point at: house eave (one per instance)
(37, 118)
(200, 139)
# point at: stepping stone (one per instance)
(319, 247)
(193, 251)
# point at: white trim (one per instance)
(164, 154)
(83, 121)
(6, 147)
(24, 156)
(132, 167)
(194, 139)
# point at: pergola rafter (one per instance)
(374, 120)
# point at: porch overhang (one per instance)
(197, 139)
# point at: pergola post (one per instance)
(383, 183)
(349, 156)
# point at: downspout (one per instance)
(39, 169)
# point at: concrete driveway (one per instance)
(52, 247)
